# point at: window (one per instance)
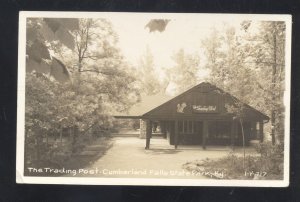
(186, 126)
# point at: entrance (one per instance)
(190, 132)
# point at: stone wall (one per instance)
(143, 128)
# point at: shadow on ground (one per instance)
(85, 158)
(162, 151)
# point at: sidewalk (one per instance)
(127, 158)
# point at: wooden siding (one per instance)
(202, 96)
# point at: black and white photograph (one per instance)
(154, 99)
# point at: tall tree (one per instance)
(101, 81)
(184, 73)
(214, 57)
(271, 58)
(243, 61)
(150, 83)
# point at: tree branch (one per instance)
(100, 72)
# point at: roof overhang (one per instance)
(127, 117)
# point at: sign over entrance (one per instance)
(204, 108)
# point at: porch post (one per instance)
(205, 134)
(176, 133)
(148, 133)
(261, 131)
(232, 134)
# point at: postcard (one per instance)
(162, 99)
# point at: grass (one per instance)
(231, 166)
(74, 161)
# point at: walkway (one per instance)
(128, 158)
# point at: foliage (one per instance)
(250, 59)
(39, 33)
(100, 83)
(148, 77)
(256, 167)
(184, 73)
(237, 110)
(157, 25)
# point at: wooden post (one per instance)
(148, 133)
(204, 134)
(261, 131)
(232, 134)
(176, 133)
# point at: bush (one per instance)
(271, 157)
(267, 165)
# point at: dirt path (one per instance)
(128, 158)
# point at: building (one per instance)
(202, 116)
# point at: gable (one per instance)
(202, 100)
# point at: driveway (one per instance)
(128, 158)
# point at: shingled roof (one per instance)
(153, 103)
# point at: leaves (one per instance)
(184, 73)
(64, 36)
(44, 31)
(59, 71)
(157, 25)
(38, 51)
(243, 63)
(60, 30)
(149, 81)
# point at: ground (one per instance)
(127, 157)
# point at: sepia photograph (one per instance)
(162, 99)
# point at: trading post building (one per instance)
(201, 116)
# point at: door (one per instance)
(198, 136)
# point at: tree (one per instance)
(240, 61)
(214, 57)
(184, 72)
(148, 77)
(39, 33)
(237, 110)
(99, 83)
(270, 58)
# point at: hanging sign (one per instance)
(204, 108)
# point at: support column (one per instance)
(232, 133)
(142, 128)
(204, 134)
(148, 133)
(176, 133)
(261, 131)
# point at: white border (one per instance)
(20, 178)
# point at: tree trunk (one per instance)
(60, 136)
(274, 70)
(47, 139)
(243, 135)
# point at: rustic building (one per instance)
(199, 116)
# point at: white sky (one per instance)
(185, 33)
